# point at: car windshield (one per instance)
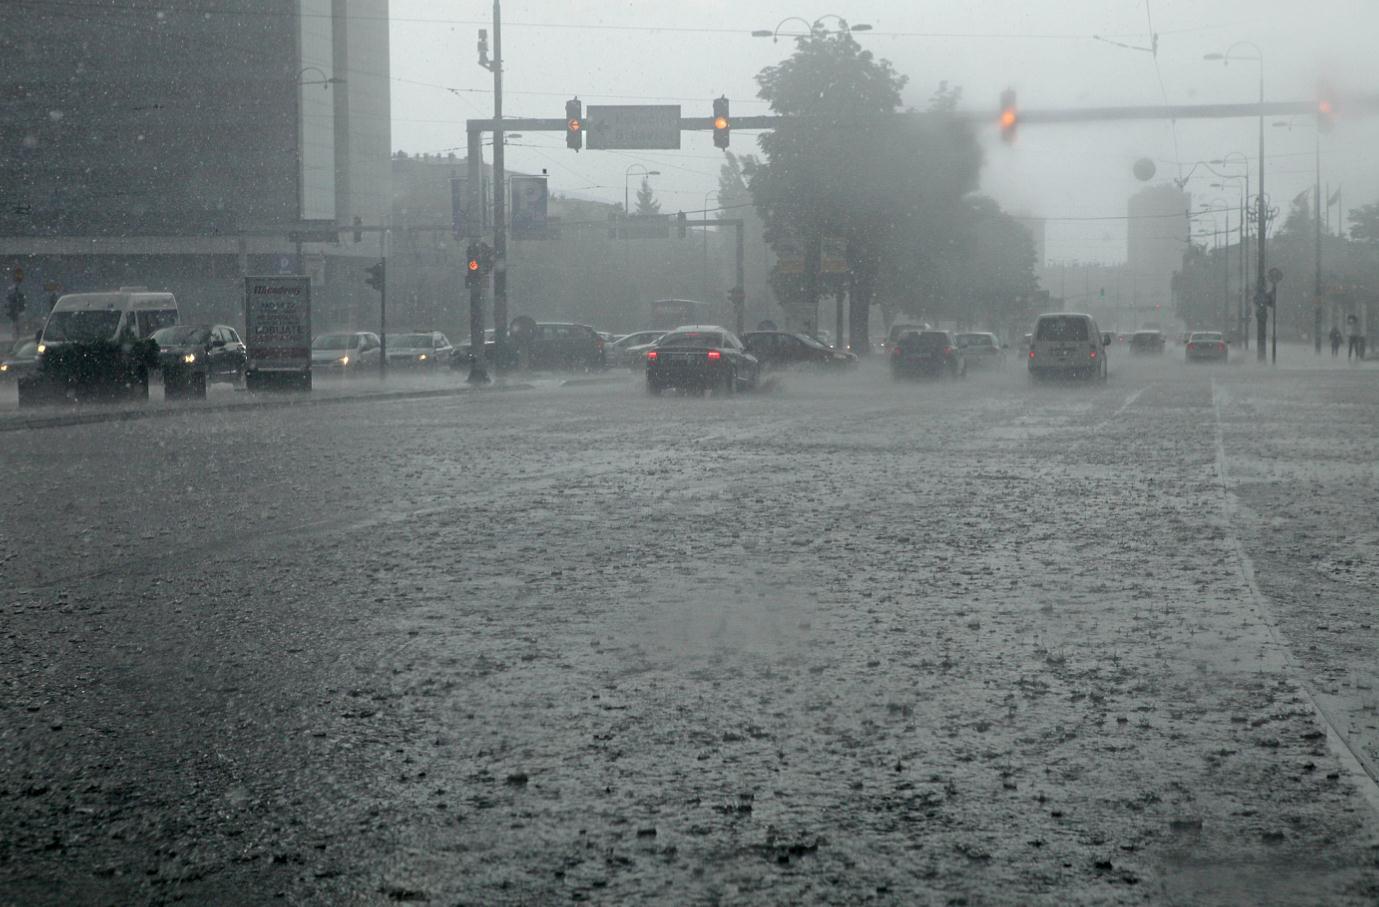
(23, 349)
(926, 341)
(182, 335)
(409, 341)
(976, 340)
(1061, 329)
(691, 339)
(1205, 338)
(811, 342)
(899, 330)
(336, 342)
(82, 325)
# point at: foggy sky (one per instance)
(691, 51)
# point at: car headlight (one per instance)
(421, 358)
(42, 348)
(189, 358)
(344, 360)
(4, 366)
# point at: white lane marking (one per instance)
(1356, 764)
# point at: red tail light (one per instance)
(1031, 354)
(715, 354)
(1221, 347)
(651, 355)
(947, 351)
(1092, 354)
(895, 351)
(1192, 346)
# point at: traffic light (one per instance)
(473, 265)
(358, 228)
(376, 276)
(1326, 113)
(1010, 117)
(721, 122)
(574, 124)
(681, 225)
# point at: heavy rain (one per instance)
(501, 452)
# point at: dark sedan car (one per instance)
(779, 349)
(700, 358)
(982, 350)
(928, 353)
(1147, 343)
(21, 360)
(192, 356)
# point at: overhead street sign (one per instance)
(632, 126)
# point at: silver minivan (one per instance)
(1067, 345)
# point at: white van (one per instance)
(1067, 345)
(129, 312)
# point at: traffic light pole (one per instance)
(473, 224)
(500, 218)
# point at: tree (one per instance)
(847, 164)
(646, 199)
(1364, 224)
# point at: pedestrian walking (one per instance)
(1335, 341)
(1356, 349)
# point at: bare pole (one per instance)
(1317, 275)
(473, 223)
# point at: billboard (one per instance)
(528, 207)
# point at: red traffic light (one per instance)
(574, 124)
(474, 264)
(1010, 117)
(721, 122)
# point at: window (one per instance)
(151, 321)
(1064, 329)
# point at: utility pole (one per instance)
(474, 166)
(1261, 237)
(1317, 276)
(383, 305)
(740, 291)
(500, 214)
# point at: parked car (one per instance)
(927, 353)
(20, 361)
(191, 356)
(1147, 343)
(1070, 345)
(1206, 346)
(700, 358)
(781, 349)
(619, 352)
(419, 350)
(345, 353)
(460, 358)
(982, 350)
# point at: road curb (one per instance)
(272, 402)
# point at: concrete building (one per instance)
(181, 147)
(1156, 238)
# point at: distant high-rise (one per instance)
(179, 145)
(1156, 238)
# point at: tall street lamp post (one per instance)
(816, 25)
(1261, 295)
(626, 208)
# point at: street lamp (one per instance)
(816, 25)
(325, 81)
(1261, 296)
(626, 210)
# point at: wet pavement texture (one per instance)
(843, 641)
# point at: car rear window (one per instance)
(691, 339)
(925, 341)
(1062, 329)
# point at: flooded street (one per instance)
(845, 640)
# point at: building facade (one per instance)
(1156, 238)
(183, 147)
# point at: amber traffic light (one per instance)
(721, 122)
(1010, 116)
(574, 124)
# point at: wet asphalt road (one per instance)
(841, 642)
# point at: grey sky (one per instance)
(691, 51)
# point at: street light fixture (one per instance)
(626, 210)
(816, 25)
(1261, 295)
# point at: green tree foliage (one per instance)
(891, 183)
(646, 199)
(1364, 224)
